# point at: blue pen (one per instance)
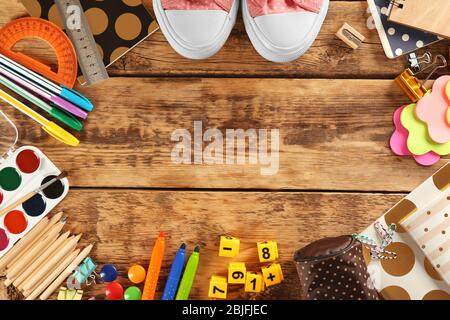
(175, 274)
(62, 91)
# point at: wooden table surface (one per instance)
(333, 108)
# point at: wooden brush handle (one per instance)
(16, 204)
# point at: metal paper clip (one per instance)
(86, 271)
(416, 63)
(413, 87)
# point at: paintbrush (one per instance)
(32, 194)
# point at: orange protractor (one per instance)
(50, 33)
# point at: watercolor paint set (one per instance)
(22, 171)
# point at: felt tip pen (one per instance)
(154, 268)
(50, 127)
(58, 101)
(61, 116)
(64, 92)
(175, 274)
(189, 275)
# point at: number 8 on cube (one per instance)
(218, 287)
(267, 251)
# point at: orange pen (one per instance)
(154, 268)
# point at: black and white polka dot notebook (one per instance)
(397, 39)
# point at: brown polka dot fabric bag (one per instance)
(334, 269)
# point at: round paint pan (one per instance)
(28, 161)
(55, 191)
(35, 206)
(10, 179)
(4, 240)
(15, 222)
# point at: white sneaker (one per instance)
(282, 30)
(196, 29)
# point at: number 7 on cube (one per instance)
(218, 287)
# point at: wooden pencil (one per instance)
(47, 266)
(52, 276)
(23, 243)
(29, 270)
(30, 256)
(66, 273)
(36, 250)
(55, 219)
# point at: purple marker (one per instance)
(58, 101)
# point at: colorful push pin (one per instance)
(137, 274)
(114, 291)
(132, 293)
(108, 273)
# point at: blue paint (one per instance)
(35, 206)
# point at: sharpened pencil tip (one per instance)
(197, 249)
(183, 246)
(162, 234)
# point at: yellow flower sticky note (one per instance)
(419, 141)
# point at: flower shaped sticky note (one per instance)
(399, 146)
(432, 109)
(419, 142)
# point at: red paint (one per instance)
(15, 222)
(4, 240)
(28, 161)
(1, 197)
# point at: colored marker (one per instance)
(189, 275)
(50, 127)
(64, 92)
(28, 84)
(154, 268)
(175, 274)
(61, 116)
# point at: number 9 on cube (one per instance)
(218, 287)
(236, 273)
(267, 251)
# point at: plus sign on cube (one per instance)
(254, 282)
(237, 273)
(272, 275)
(229, 247)
(218, 287)
(267, 251)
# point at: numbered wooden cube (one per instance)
(272, 275)
(254, 282)
(267, 251)
(218, 287)
(237, 273)
(229, 247)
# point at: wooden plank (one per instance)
(124, 224)
(329, 57)
(333, 134)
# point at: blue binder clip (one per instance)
(86, 271)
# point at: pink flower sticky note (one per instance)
(432, 109)
(399, 143)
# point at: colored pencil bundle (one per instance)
(41, 261)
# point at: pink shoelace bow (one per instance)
(256, 7)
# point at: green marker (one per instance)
(189, 275)
(56, 113)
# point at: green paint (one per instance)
(10, 179)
